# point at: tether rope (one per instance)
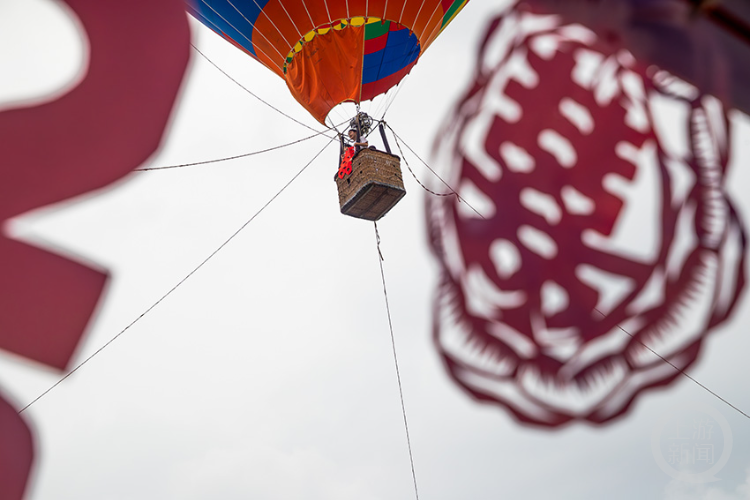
(680, 370)
(236, 156)
(453, 191)
(251, 92)
(395, 362)
(211, 255)
(403, 156)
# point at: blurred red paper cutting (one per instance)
(601, 224)
(106, 126)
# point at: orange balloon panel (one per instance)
(331, 51)
(327, 77)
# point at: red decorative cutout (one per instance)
(590, 224)
(95, 134)
(346, 162)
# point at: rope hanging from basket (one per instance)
(395, 363)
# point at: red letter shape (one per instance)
(95, 134)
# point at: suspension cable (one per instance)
(252, 93)
(244, 155)
(679, 370)
(395, 362)
(453, 191)
(210, 256)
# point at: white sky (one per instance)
(269, 373)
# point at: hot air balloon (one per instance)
(331, 51)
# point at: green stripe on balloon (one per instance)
(448, 17)
(375, 30)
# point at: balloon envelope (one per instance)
(331, 51)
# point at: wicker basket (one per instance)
(374, 186)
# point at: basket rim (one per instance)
(371, 151)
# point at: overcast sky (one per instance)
(269, 373)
